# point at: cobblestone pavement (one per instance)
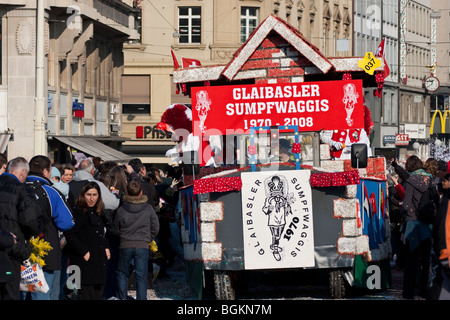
(174, 287)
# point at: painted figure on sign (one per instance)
(277, 206)
(203, 106)
(350, 99)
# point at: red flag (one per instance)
(175, 66)
(175, 61)
(405, 79)
(381, 53)
(380, 50)
(190, 63)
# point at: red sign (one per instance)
(401, 139)
(313, 106)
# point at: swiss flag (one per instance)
(190, 63)
(381, 53)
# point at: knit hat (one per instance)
(55, 173)
(442, 166)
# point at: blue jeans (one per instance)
(140, 257)
(175, 240)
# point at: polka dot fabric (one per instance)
(217, 185)
(325, 179)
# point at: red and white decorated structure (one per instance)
(277, 54)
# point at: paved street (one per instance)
(174, 287)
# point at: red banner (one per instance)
(313, 106)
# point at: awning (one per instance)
(4, 139)
(94, 148)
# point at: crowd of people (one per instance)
(111, 220)
(419, 194)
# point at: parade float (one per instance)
(244, 206)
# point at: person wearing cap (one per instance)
(440, 175)
(441, 170)
(58, 184)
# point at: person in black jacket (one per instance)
(57, 217)
(87, 245)
(7, 240)
(417, 234)
(21, 216)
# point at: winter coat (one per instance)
(415, 186)
(57, 217)
(19, 215)
(414, 230)
(6, 267)
(136, 222)
(80, 178)
(88, 235)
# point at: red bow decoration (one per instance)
(347, 76)
(296, 148)
(252, 150)
(379, 77)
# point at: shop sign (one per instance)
(312, 106)
(403, 48)
(389, 139)
(415, 130)
(144, 132)
(401, 139)
(78, 109)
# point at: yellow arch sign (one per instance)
(441, 121)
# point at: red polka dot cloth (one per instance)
(334, 179)
(217, 185)
(296, 148)
(324, 179)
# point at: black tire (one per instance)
(223, 286)
(337, 284)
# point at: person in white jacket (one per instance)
(340, 142)
(85, 172)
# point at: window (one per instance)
(136, 94)
(128, 108)
(189, 24)
(249, 21)
(267, 154)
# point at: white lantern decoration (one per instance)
(416, 145)
(438, 143)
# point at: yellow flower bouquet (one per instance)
(39, 249)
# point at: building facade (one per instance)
(83, 64)
(209, 31)
(409, 30)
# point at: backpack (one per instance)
(428, 204)
(36, 192)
